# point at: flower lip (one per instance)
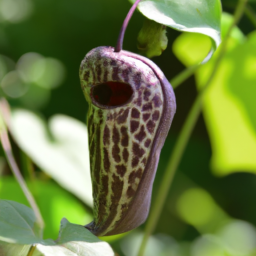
(111, 94)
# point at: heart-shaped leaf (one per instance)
(63, 153)
(186, 15)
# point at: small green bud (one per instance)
(152, 39)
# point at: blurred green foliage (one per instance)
(229, 105)
(210, 210)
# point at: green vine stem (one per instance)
(4, 108)
(250, 14)
(184, 137)
(184, 75)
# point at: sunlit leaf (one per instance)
(75, 240)
(53, 250)
(63, 155)
(186, 15)
(73, 235)
(229, 104)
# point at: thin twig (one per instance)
(14, 167)
(183, 138)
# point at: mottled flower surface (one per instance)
(131, 107)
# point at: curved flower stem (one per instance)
(120, 40)
(4, 108)
(183, 138)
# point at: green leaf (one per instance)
(75, 240)
(53, 202)
(63, 154)
(18, 224)
(187, 15)
(17, 228)
(53, 251)
(78, 238)
(229, 103)
(191, 48)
